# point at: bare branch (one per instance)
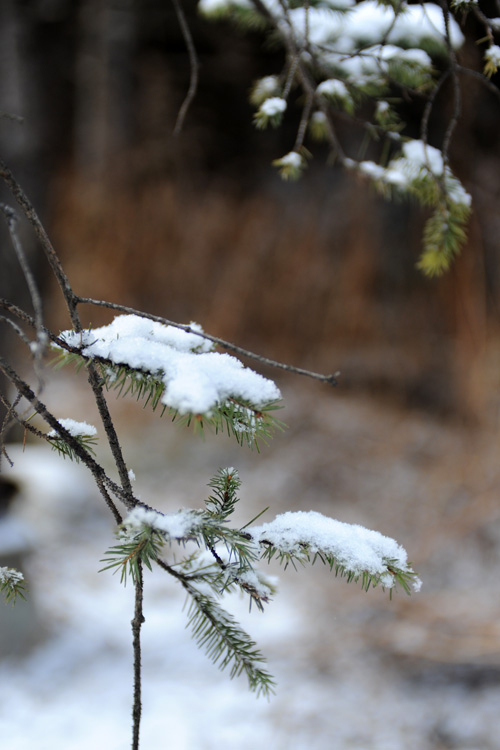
(481, 78)
(97, 471)
(47, 246)
(193, 66)
(136, 644)
(331, 379)
(41, 343)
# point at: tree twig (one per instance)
(38, 350)
(331, 379)
(47, 246)
(97, 471)
(193, 66)
(136, 645)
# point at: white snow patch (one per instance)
(492, 54)
(292, 159)
(10, 575)
(176, 525)
(75, 428)
(423, 155)
(368, 22)
(196, 379)
(275, 105)
(333, 87)
(357, 548)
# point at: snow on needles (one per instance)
(356, 548)
(178, 525)
(75, 428)
(196, 379)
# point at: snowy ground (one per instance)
(354, 670)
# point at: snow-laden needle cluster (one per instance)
(179, 371)
(226, 559)
(360, 62)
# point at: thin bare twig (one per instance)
(97, 471)
(39, 349)
(304, 122)
(136, 645)
(8, 420)
(457, 99)
(481, 78)
(47, 246)
(12, 219)
(19, 331)
(193, 66)
(424, 124)
(331, 379)
(71, 300)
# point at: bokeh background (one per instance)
(321, 274)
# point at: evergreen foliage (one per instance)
(249, 424)
(358, 62)
(225, 561)
(343, 62)
(12, 584)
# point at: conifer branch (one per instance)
(225, 643)
(12, 585)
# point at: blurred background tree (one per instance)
(199, 226)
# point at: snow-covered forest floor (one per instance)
(354, 669)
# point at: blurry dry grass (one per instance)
(321, 277)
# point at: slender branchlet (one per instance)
(136, 645)
(193, 66)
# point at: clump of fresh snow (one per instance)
(196, 379)
(264, 584)
(356, 548)
(292, 159)
(74, 428)
(178, 525)
(492, 54)
(417, 160)
(333, 87)
(213, 7)
(275, 105)
(10, 576)
(422, 155)
(368, 22)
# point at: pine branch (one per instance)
(67, 451)
(225, 643)
(134, 549)
(353, 552)
(12, 584)
(247, 422)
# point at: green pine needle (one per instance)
(226, 643)
(12, 585)
(60, 445)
